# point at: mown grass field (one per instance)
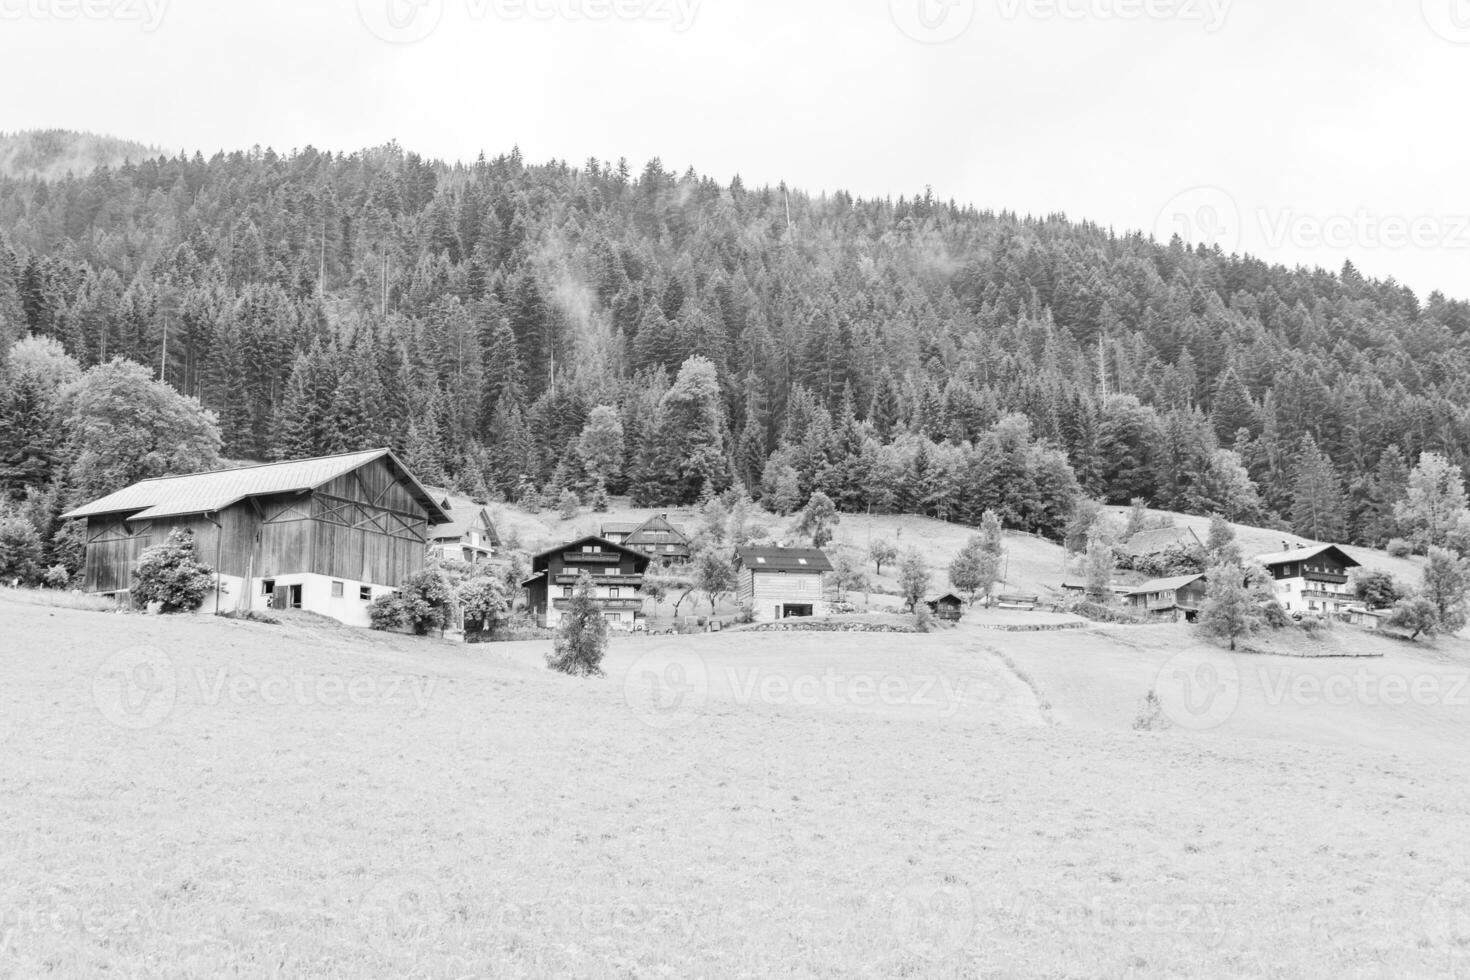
(193, 797)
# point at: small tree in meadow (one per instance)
(974, 570)
(1446, 581)
(818, 519)
(170, 574)
(714, 573)
(1230, 610)
(1099, 565)
(427, 600)
(486, 605)
(913, 578)
(1416, 616)
(567, 505)
(581, 637)
(1377, 589)
(1221, 545)
(882, 552)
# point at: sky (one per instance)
(1300, 131)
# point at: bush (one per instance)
(1152, 717)
(170, 575)
(1312, 625)
(567, 505)
(746, 614)
(1274, 615)
(1399, 548)
(56, 577)
(388, 613)
(923, 618)
(428, 602)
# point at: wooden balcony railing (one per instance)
(591, 557)
(611, 605)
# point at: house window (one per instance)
(365, 593)
(613, 617)
(614, 571)
(614, 592)
(566, 592)
(668, 548)
(760, 561)
(591, 549)
(337, 588)
(801, 561)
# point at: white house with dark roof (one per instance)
(1312, 578)
(780, 583)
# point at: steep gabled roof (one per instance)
(658, 523)
(783, 559)
(1306, 554)
(620, 527)
(1161, 539)
(1165, 584)
(214, 490)
(464, 513)
(541, 561)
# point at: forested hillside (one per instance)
(905, 355)
(54, 153)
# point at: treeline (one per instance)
(910, 354)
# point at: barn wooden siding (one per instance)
(764, 591)
(363, 526)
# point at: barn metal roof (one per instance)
(1165, 584)
(463, 514)
(212, 491)
(784, 559)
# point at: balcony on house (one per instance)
(609, 605)
(630, 581)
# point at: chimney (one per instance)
(1286, 546)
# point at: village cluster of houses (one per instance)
(332, 534)
(1309, 580)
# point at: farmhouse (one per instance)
(655, 537)
(327, 535)
(617, 579)
(469, 536)
(1312, 578)
(948, 607)
(1182, 595)
(778, 583)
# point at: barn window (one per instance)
(365, 593)
(267, 586)
(337, 588)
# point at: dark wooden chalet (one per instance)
(617, 580)
(327, 534)
(948, 607)
(1169, 598)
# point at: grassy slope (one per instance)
(528, 824)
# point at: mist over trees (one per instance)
(522, 329)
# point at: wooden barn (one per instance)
(779, 583)
(327, 535)
(948, 607)
(1171, 598)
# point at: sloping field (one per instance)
(192, 797)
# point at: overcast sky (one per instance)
(1303, 132)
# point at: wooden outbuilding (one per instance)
(780, 583)
(948, 607)
(327, 535)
